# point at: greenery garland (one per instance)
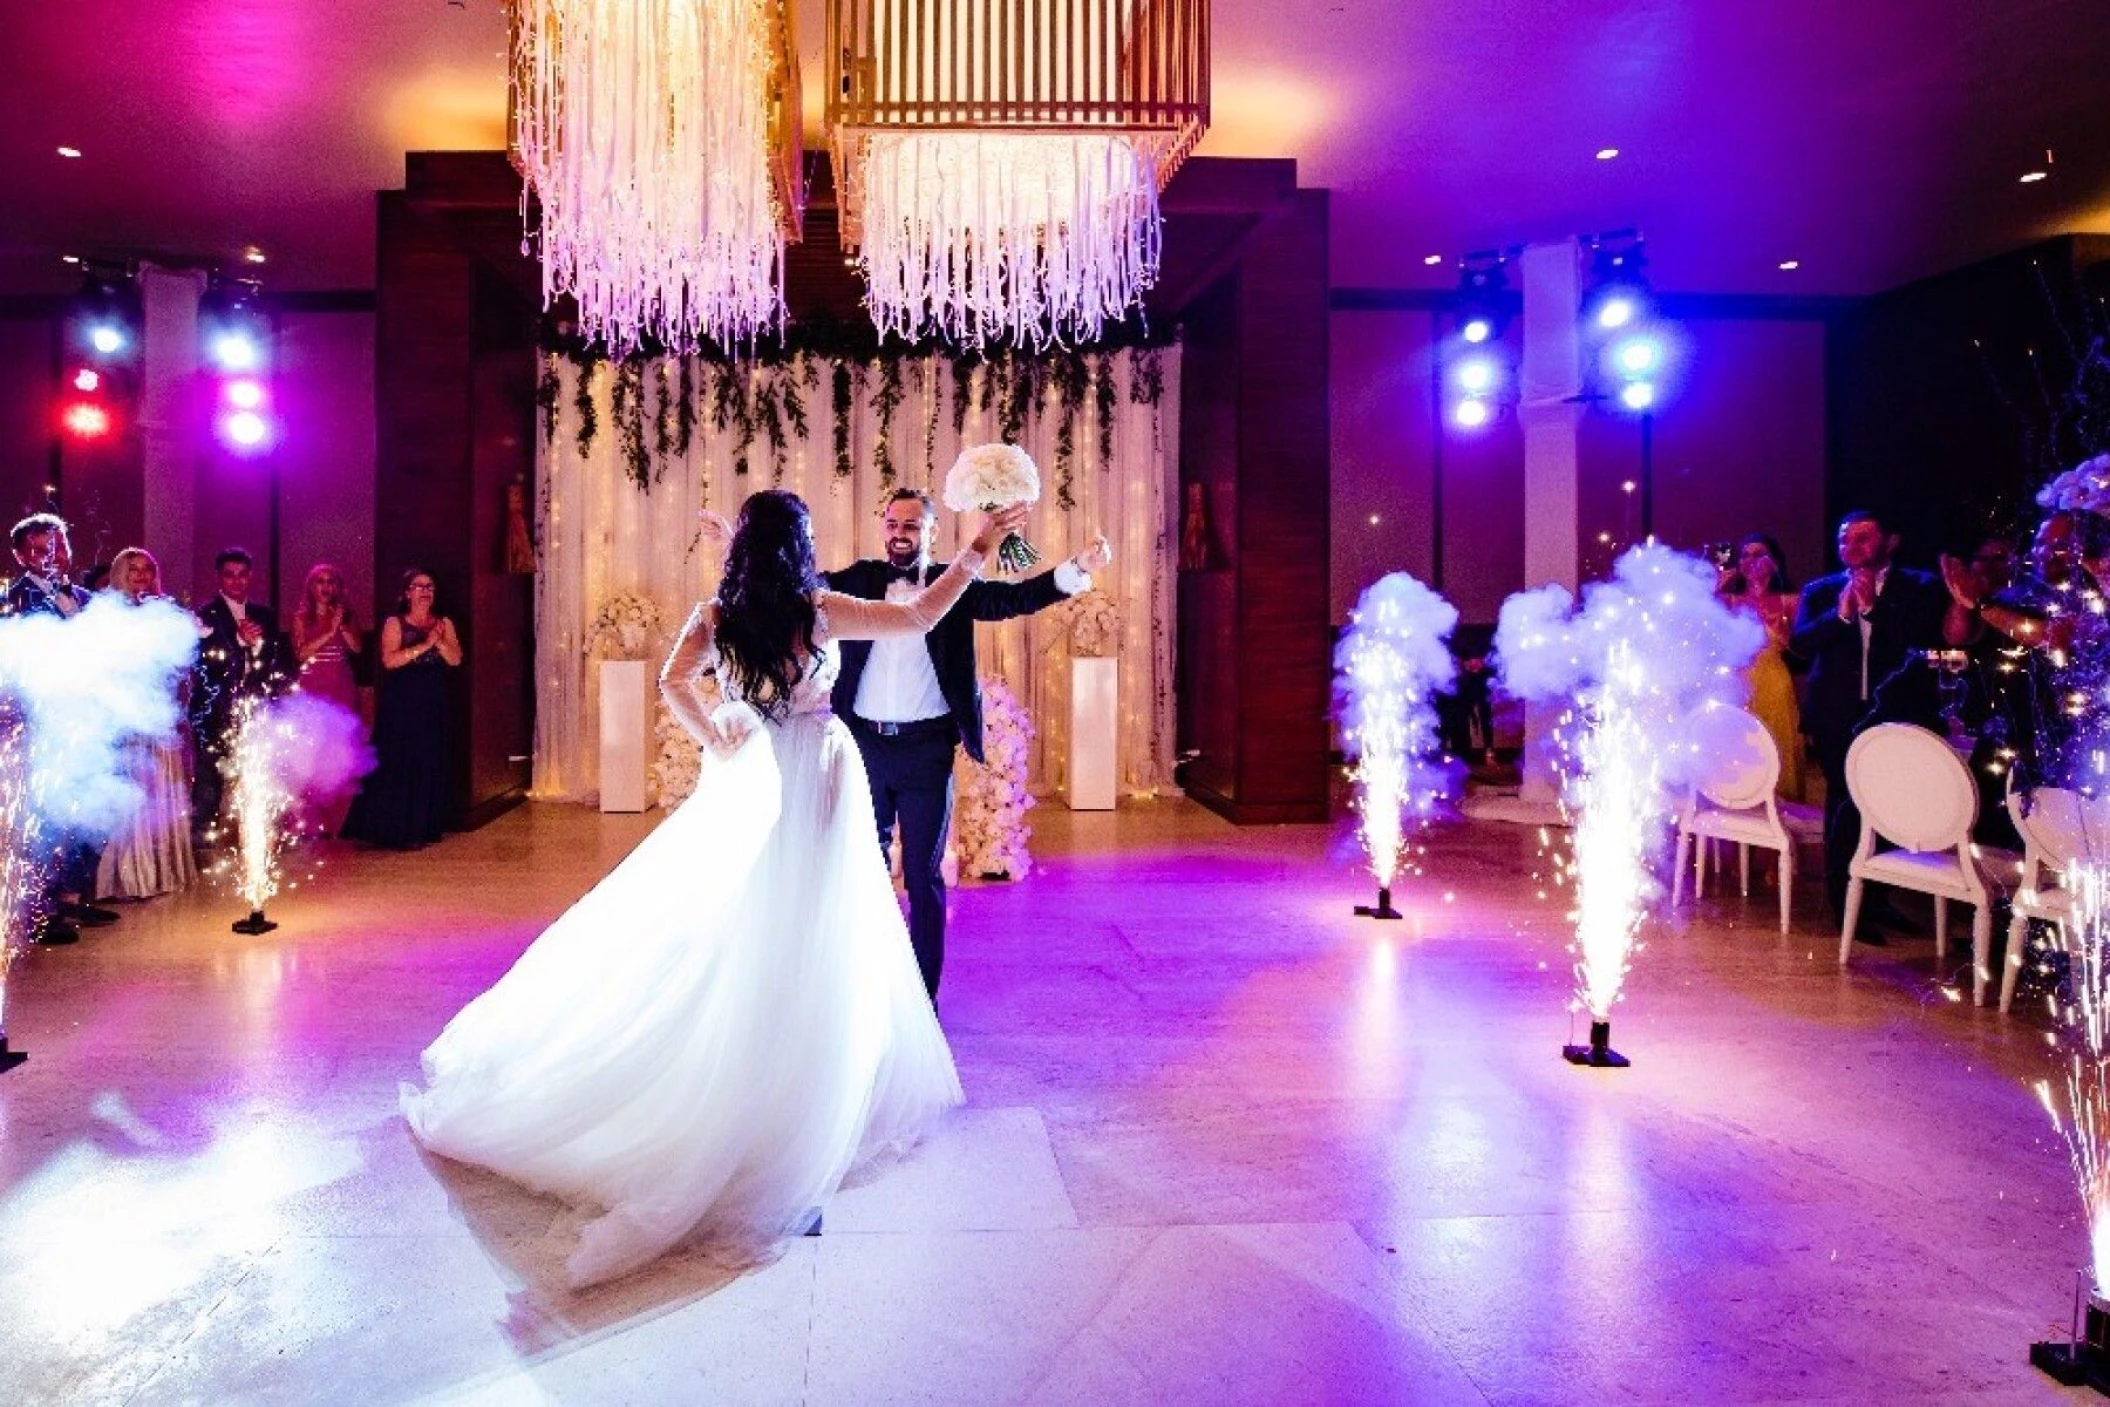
(843, 467)
(886, 400)
(685, 410)
(762, 395)
(589, 417)
(549, 386)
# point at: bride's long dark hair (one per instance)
(765, 604)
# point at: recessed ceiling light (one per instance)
(71, 153)
(1607, 153)
(253, 254)
(1789, 266)
(69, 258)
(1433, 260)
(2031, 177)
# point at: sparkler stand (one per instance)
(1598, 1054)
(2084, 1359)
(1383, 907)
(254, 924)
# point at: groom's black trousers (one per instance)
(911, 775)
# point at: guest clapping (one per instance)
(151, 854)
(240, 655)
(408, 800)
(1756, 582)
(326, 639)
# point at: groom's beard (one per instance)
(904, 556)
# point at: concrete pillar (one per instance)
(1551, 416)
(168, 422)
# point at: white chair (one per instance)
(1915, 793)
(1733, 800)
(2057, 827)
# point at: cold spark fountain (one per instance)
(76, 693)
(1641, 655)
(290, 756)
(1388, 668)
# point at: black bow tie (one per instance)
(912, 575)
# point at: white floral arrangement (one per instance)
(2085, 488)
(629, 627)
(986, 478)
(679, 761)
(1095, 626)
(989, 811)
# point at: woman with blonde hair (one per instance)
(325, 639)
(150, 854)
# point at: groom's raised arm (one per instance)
(1005, 600)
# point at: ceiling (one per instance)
(1874, 141)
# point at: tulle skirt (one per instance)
(704, 1047)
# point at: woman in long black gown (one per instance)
(408, 799)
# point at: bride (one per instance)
(730, 1023)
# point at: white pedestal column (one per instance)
(623, 734)
(1548, 384)
(1095, 728)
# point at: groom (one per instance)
(910, 701)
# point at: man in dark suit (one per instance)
(910, 702)
(240, 654)
(1856, 628)
(41, 587)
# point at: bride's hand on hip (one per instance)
(997, 526)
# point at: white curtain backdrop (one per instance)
(599, 535)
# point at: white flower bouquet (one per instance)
(2085, 488)
(992, 477)
(1095, 626)
(629, 627)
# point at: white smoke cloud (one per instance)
(87, 685)
(1388, 668)
(1635, 663)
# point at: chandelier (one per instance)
(660, 140)
(998, 162)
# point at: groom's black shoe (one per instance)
(88, 915)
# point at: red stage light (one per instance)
(87, 421)
(86, 380)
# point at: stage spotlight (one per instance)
(88, 421)
(244, 394)
(235, 351)
(1619, 294)
(87, 380)
(1637, 355)
(107, 338)
(1476, 374)
(1484, 301)
(1472, 413)
(246, 429)
(1637, 395)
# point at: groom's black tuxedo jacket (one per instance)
(951, 643)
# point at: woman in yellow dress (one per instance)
(1756, 580)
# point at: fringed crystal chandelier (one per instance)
(998, 162)
(660, 139)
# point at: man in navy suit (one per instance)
(240, 652)
(41, 588)
(910, 702)
(1856, 628)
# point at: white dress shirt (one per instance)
(900, 684)
(1868, 630)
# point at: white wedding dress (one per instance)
(730, 1023)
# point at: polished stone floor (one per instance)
(1225, 1143)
